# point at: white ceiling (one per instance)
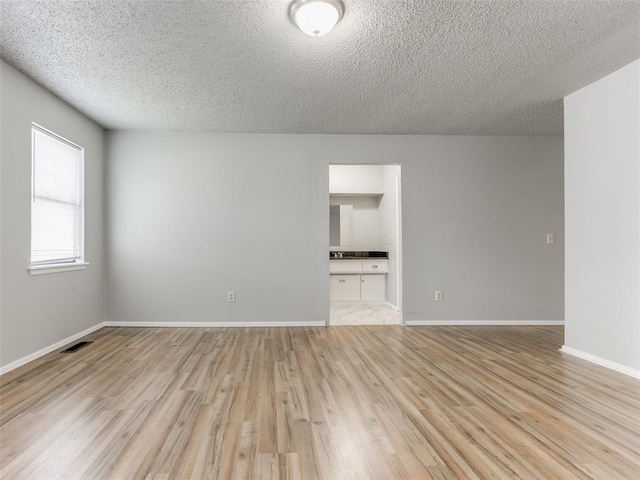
(389, 67)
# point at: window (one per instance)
(57, 203)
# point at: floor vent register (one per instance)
(76, 347)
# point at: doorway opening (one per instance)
(365, 244)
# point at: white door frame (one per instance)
(399, 271)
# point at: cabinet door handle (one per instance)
(374, 266)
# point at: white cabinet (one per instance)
(359, 266)
(345, 266)
(375, 266)
(358, 280)
(344, 288)
(335, 288)
(373, 287)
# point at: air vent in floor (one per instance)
(76, 347)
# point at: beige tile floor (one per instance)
(363, 314)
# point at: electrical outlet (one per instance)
(550, 238)
(231, 297)
(438, 295)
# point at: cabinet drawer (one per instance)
(375, 266)
(340, 266)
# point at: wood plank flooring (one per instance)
(365, 402)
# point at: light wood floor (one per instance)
(377, 402)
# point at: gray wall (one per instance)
(195, 216)
(192, 216)
(602, 179)
(36, 312)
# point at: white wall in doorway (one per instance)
(390, 229)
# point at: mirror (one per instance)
(340, 225)
(334, 225)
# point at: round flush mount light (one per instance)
(316, 17)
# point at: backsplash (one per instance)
(338, 254)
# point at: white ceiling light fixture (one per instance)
(316, 17)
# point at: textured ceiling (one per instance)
(389, 67)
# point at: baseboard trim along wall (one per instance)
(478, 323)
(215, 324)
(632, 372)
(40, 353)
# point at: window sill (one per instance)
(67, 267)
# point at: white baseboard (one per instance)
(395, 307)
(632, 372)
(49, 349)
(319, 323)
(416, 323)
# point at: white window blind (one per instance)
(57, 199)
